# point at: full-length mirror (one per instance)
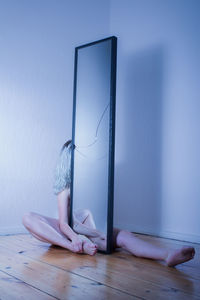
(93, 136)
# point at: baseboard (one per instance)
(161, 233)
(12, 230)
(192, 238)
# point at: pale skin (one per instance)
(85, 238)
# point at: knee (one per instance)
(28, 219)
(86, 213)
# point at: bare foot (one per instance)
(179, 256)
(101, 244)
(89, 248)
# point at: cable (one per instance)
(97, 129)
(95, 138)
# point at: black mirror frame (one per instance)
(111, 136)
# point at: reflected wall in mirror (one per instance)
(93, 136)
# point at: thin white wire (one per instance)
(95, 138)
(97, 129)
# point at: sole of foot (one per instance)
(180, 256)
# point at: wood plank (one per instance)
(13, 289)
(55, 281)
(123, 274)
(108, 270)
(188, 270)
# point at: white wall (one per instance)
(157, 136)
(157, 130)
(36, 90)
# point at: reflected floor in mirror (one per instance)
(31, 269)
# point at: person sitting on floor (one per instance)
(84, 237)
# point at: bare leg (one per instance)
(85, 217)
(89, 220)
(128, 241)
(136, 246)
(47, 230)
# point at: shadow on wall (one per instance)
(138, 179)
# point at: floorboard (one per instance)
(11, 287)
(55, 273)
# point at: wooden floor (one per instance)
(30, 269)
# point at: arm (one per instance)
(63, 210)
(81, 228)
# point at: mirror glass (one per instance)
(93, 134)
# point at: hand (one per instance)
(77, 245)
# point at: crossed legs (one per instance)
(47, 230)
